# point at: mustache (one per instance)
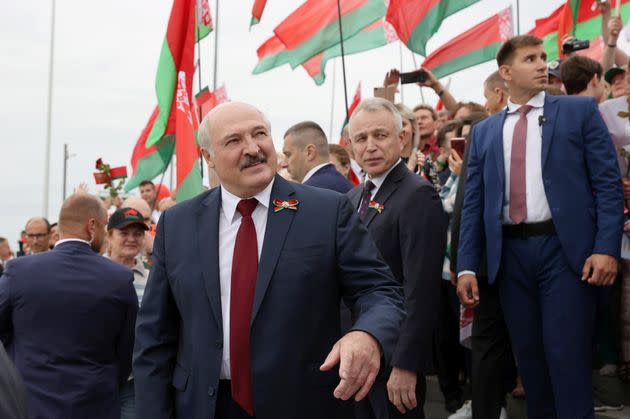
(249, 160)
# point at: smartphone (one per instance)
(418, 76)
(459, 144)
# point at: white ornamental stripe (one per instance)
(181, 98)
(505, 24)
(390, 32)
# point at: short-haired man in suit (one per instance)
(240, 317)
(405, 218)
(68, 316)
(308, 159)
(544, 194)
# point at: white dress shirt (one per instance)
(229, 223)
(378, 180)
(314, 170)
(536, 200)
(72, 240)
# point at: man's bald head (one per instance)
(309, 132)
(230, 110)
(139, 205)
(83, 216)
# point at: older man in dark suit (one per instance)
(68, 319)
(405, 218)
(240, 317)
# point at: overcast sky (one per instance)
(105, 59)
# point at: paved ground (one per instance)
(604, 388)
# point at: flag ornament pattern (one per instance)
(204, 19)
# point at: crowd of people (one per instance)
(265, 298)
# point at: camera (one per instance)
(572, 45)
(418, 76)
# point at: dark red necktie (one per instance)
(244, 269)
(518, 195)
(365, 199)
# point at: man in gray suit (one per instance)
(12, 397)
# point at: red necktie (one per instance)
(518, 197)
(244, 269)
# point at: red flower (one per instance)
(99, 163)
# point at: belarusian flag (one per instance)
(257, 11)
(271, 54)
(417, 20)
(148, 163)
(186, 149)
(207, 100)
(588, 26)
(475, 46)
(376, 35)
(568, 20)
(204, 19)
(314, 26)
(178, 53)
(355, 102)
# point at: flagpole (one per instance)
(216, 44)
(518, 17)
(50, 103)
(332, 101)
(343, 59)
(199, 78)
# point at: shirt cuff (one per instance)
(462, 273)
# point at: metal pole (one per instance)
(343, 59)
(216, 45)
(199, 78)
(65, 169)
(518, 17)
(402, 86)
(332, 101)
(49, 123)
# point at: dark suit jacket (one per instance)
(12, 395)
(328, 177)
(580, 176)
(311, 258)
(410, 233)
(68, 318)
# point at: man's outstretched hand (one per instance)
(359, 357)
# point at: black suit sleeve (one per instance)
(124, 347)
(6, 328)
(422, 245)
(12, 394)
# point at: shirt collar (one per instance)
(537, 101)
(229, 201)
(314, 170)
(72, 240)
(378, 180)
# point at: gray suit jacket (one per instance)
(12, 396)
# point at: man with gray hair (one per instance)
(405, 217)
(240, 317)
(307, 158)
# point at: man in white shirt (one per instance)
(308, 159)
(240, 317)
(544, 193)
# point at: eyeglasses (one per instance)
(37, 236)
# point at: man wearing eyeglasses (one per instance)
(38, 234)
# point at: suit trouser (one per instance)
(378, 406)
(493, 367)
(550, 314)
(449, 353)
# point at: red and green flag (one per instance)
(186, 149)
(148, 163)
(204, 19)
(568, 20)
(376, 35)
(257, 10)
(207, 99)
(314, 26)
(417, 21)
(177, 55)
(587, 25)
(475, 46)
(271, 54)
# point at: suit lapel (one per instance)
(278, 224)
(387, 188)
(550, 112)
(356, 197)
(208, 231)
(497, 146)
